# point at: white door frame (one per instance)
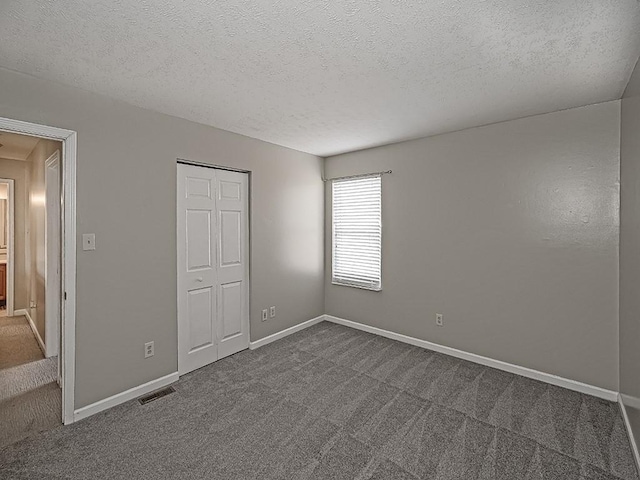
(10, 226)
(51, 281)
(68, 273)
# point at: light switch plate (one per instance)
(88, 241)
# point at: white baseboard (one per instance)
(489, 362)
(140, 390)
(285, 333)
(25, 312)
(632, 402)
(508, 367)
(125, 396)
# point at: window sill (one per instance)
(360, 287)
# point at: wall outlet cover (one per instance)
(148, 350)
(88, 241)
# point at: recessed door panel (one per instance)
(200, 312)
(230, 237)
(230, 310)
(198, 187)
(198, 239)
(230, 190)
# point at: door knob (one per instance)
(199, 279)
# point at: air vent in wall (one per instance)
(156, 395)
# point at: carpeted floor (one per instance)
(30, 399)
(335, 403)
(17, 343)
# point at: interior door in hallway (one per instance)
(212, 235)
(53, 255)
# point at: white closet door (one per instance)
(213, 302)
(197, 277)
(232, 261)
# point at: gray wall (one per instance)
(19, 172)
(510, 231)
(37, 219)
(630, 251)
(127, 197)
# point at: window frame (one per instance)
(373, 288)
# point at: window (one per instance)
(357, 232)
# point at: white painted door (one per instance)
(52, 257)
(197, 278)
(232, 262)
(213, 314)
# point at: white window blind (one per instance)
(357, 232)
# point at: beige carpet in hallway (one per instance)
(30, 399)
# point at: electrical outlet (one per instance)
(265, 315)
(88, 241)
(272, 312)
(148, 350)
(439, 319)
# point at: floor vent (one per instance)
(156, 395)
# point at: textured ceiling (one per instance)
(16, 147)
(331, 76)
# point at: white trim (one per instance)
(68, 274)
(125, 396)
(140, 390)
(490, 362)
(11, 226)
(33, 327)
(68, 277)
(285, 333)
(632, 402)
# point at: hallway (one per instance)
(30, 399)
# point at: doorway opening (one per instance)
(37, 257)
(7, 189)
(30, 395)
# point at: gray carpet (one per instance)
(30, 399)
(17, 343)
(335, 403)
